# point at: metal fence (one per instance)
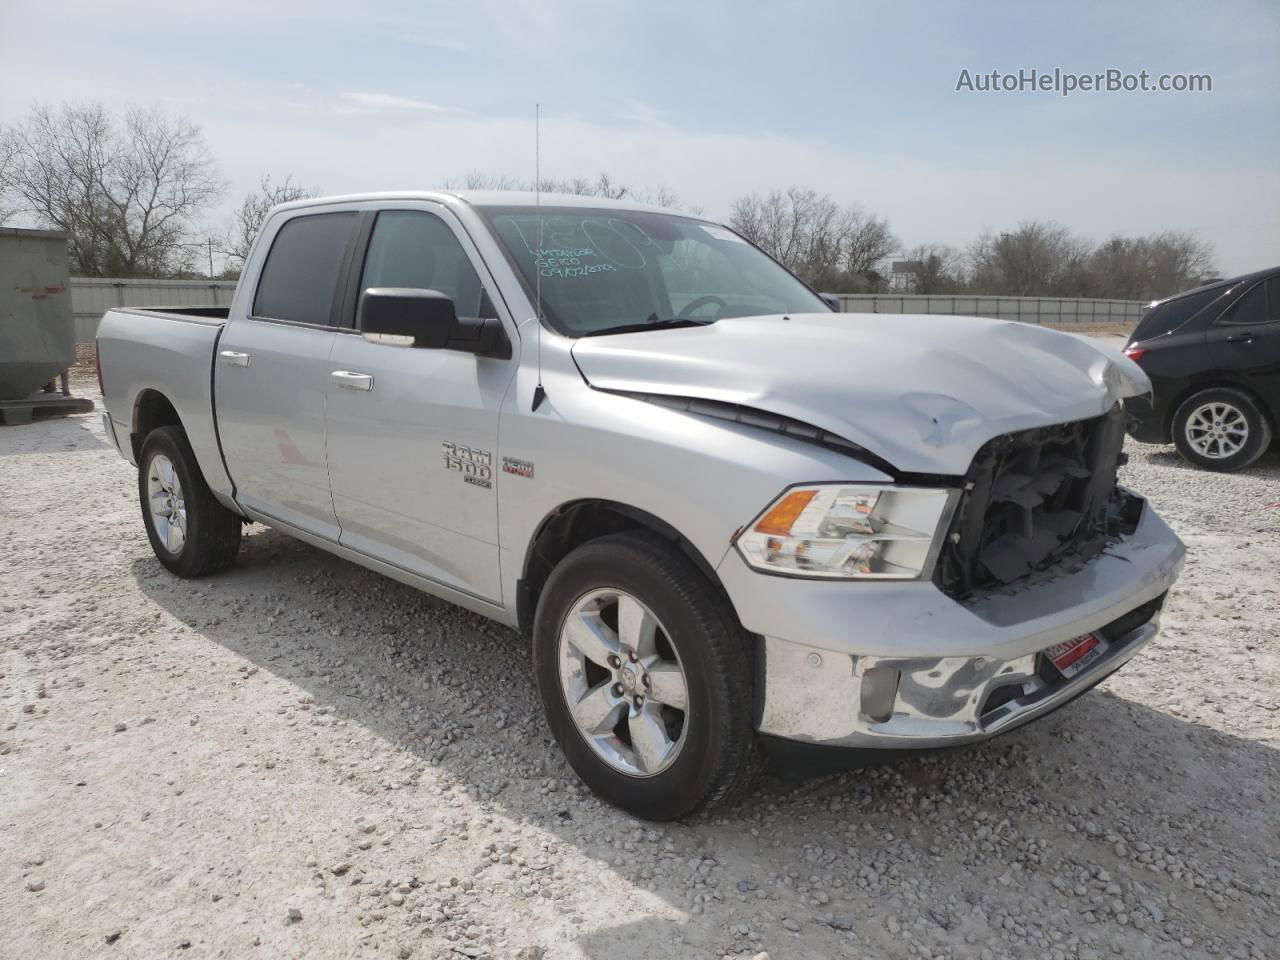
(91, 297)
(1025, 309)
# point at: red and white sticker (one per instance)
(1072, 656)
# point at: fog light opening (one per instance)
(879, 693)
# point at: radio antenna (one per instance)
(539, 392)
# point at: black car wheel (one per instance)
(1221, 429)
(191, 533)
(646, 677)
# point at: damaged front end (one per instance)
(1037, 503)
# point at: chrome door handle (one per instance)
(233, 358)
(1241, 338)
(353, 381)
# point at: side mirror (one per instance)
(408, 317)
(832, 301)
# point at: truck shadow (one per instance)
(456, 692)
(64, 434)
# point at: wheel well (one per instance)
(574, 524)
(1195, 388)
(151, 410)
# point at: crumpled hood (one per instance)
(923, 392)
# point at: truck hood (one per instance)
(922, 392)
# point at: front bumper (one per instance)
(902, 665)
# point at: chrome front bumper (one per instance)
(891, 703)
(903, 666)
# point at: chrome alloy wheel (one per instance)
(623, 683)
(165, 503)
(1217, 430)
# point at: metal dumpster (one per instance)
(37, 331)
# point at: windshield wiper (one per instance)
(653, 323)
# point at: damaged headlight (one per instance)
(850, 531)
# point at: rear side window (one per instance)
(1172, 314)
(1273, 300)
(301, 272)
(418, 250)
(1250, 309)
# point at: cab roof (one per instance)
(486, 198)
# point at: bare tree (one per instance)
(940, 270)
(128, 192)
(8, 150)
(867, 242)
(1045, 259)
(1036, 260)
(833, 248)
(1175, 261)
(247, 221)
(1145, 268)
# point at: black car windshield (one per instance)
(602, 268)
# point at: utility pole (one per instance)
(210, 239)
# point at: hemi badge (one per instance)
(521, 468)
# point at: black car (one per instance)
(1213, 356)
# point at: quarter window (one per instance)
(301, 273)
(1250, 309)
(419, 251)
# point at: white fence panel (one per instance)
(1024, 309)
(91, 297)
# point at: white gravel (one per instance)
(301, 758)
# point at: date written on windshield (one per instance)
(476, 466)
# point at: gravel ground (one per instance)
(300, 758)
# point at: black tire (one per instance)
(1240, 404)
(212, 535)
(719, 756)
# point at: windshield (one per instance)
(605, 269)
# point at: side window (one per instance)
(1249, 309)
(1172, 314)
(419, 251)
(301, 272)
(1273, 300)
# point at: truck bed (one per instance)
(167, 351)
(215, 315)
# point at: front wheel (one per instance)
(1221, 429)
(645, 677)
(191, 533)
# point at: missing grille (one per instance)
(1037, 501)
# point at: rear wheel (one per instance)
(191, 533)
(645, 677)
(1221, 429)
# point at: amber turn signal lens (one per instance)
(782, 517)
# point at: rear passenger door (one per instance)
(271, 371)
(1245, 342)
(413, 433)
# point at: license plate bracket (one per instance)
(1072, 657)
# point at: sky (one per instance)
(711, 100)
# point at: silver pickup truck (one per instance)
(735, 524)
